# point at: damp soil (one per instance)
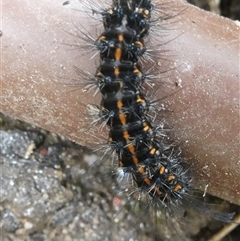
(226, 8)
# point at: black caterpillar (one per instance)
(156, 169)
(124, 107)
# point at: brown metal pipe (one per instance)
(200, 48)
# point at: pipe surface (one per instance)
(197, 50)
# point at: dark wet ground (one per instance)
(50, 191)
(226, 8)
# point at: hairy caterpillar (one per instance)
(151, 166)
